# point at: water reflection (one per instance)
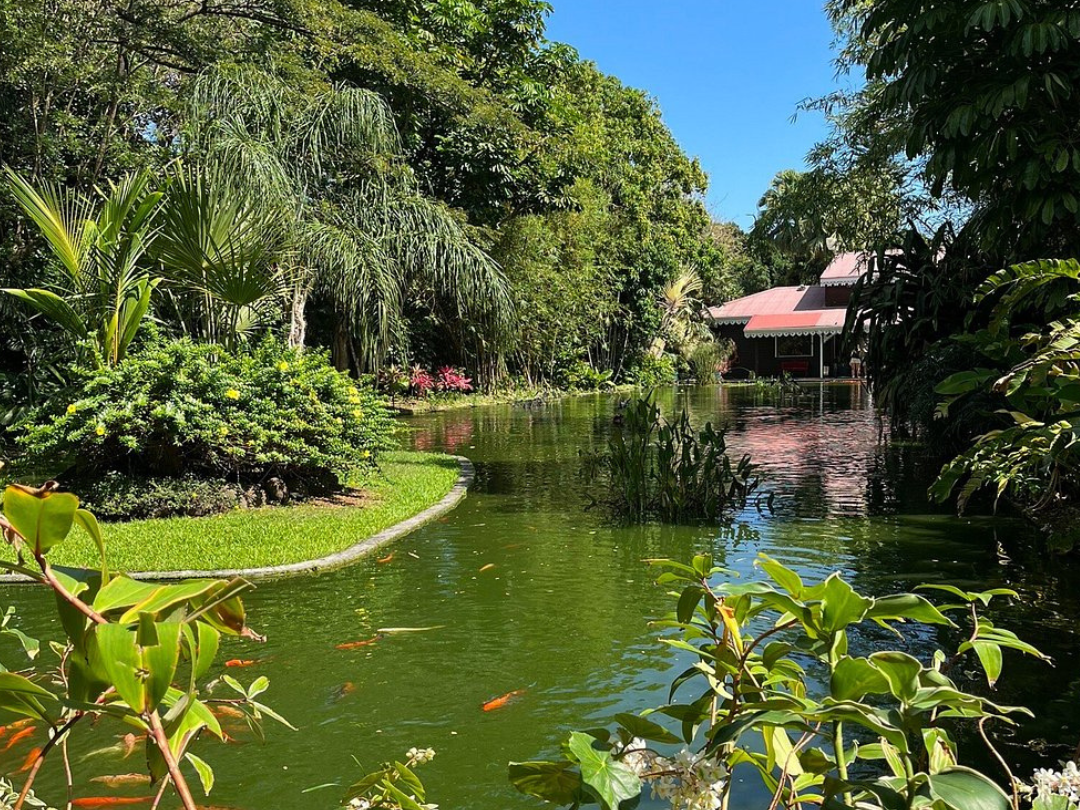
(562, 612)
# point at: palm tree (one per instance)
(355, 230)
(98, 288)
(678, 304)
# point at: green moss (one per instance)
(407, 484)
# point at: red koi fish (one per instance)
(18, 737)
(388, 558)
(499, 702)
(110, 801)
(239, 662)
(31, 758)
(356, 645)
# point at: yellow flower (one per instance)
(358, 413)
(100, 431)
(365, 454)
(72, 408)
(232, 393)
(224, 430)
(282, 366)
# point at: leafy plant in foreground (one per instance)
(135, 653)
(773, 688)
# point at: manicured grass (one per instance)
(409, 483)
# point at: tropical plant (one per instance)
(100, 283)
(178, 407)
(654, 468)
(135, 654)
(355, 229)
(775, 688)
(1032, 377)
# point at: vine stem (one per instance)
(56, 738)
(178, 780)
(1001, 762)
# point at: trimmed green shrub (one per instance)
(118, 496)
(653, 372)
(179, 408)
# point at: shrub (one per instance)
(118, 496)
(421, 382)
(707, 359)
(179, 408)
(653, 372)
(452, 381)
(581, 376)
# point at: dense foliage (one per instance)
(775, 688)
(354, 174)
(659, 469)
(179, 408)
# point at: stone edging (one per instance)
(466, 475)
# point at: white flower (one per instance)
(1065, 782)
(420, 756)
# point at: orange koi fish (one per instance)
(31, 758)
(499, 702)
(109, 801)
(487, 567)
(356, 645)
(239, 662)
(129, 741)
(225, 711)
(344, 690)
(116, 780)
(22, 735)
(388, 558)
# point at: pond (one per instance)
(528, 590)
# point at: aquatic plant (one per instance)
(774, 689)
(654, 468)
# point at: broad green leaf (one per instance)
(159, 662)
(646, 729)
(554, 782)
(854, 678)
(205, 772)
(907, 606)
(782, 576)
(42, 518)
(122, 592)
(89, 524)
(611, 781)
(121, 661)
(901, 671)
(990, 656)
(965, 789)
(840, 605)
(164, 597)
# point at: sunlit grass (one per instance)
(409, 483)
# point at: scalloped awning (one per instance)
(814, 322)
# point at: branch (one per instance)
(41, 758)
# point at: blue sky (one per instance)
(727, 74)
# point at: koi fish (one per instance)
(499, 702)
(129, 741)
(356, 645)
(240, 662)
(31, 758)
(344, 690)
(225, 711)
(487, 567)
(109, 801)
(116, 780)
(19, 736)
(388, 558)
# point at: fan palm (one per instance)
(99, 286)
(355, 229)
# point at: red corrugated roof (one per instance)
(846, 268)
(777, 301)
(825, 321)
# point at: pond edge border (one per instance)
(339, 559)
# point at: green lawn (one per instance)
(246, 538)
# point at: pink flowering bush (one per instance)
(421, 382)
(452, 380)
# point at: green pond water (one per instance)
(563, 612)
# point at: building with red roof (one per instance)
(793, 330)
